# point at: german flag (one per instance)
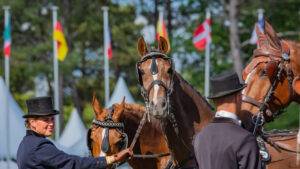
(62, 46)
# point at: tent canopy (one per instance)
(15, 127)
(73, 132)
(121, 90)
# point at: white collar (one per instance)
(223, 113)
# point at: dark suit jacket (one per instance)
(225, 145)
(37, 152)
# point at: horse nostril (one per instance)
(163, 104)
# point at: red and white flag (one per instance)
(202, 35)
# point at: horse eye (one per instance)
(263, 73)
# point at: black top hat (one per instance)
(225, 84)
(40, 106)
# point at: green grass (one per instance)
(287, 120)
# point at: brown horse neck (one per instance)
(133, 114)
(205, 110)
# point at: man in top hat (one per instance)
(37, 152)
(224, 143)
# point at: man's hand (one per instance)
(123, 155)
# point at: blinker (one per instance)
(154, 69)
(105, 141)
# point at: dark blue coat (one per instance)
(223, 144)
(37, 152)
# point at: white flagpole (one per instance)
(55, 66)
(106, 63)
(6, 22)
(260, 15)
(207, 61)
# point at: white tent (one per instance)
(73, 132)
(16, 129)
(79, 148)
(120, 91)
(12, 165)
(73, 138)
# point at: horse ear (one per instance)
(142, 46)
(272, 36)
(119, 109)
(296, 85)
(123, 101)
(96, 106)
(163, 45)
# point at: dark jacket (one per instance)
(223, 144)
(37, 152)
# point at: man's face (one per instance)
(43, 125)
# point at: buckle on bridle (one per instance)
(285, 56)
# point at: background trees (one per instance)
(82, 71)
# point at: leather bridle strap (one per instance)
(252, 101)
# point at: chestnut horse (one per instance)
(115, 127)
(273, 81)
(169, 98)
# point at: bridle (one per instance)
(153, 55)
(108, 124)
(154, 70)
(146, 91)
(282, 57)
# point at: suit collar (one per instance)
(31, 132)
(228, 115)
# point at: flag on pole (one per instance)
(261, 24)
(161, 29)
(58, 36)
(7, 38)
(108, 50)
(202, 35)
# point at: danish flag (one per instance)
(202, 35)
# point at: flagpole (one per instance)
(6, 22)
(207, 61)
(106, 64)
(55, 66)
(260, 15)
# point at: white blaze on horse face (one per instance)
(155, 87)
(102, 136)
(248, 78)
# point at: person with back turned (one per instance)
(224, 143)
(37, 152)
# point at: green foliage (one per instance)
(288, 119)
(82, 22)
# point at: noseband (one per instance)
(108, 124)
(284, 65)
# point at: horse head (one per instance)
(106, 136)
(272, 77)
(155, 73)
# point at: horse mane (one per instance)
(192, 92)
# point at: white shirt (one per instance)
(223, 113)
